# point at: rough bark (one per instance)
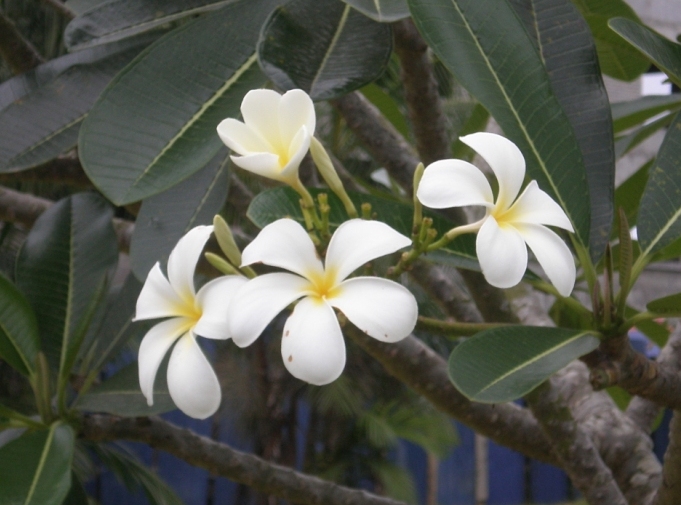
(18, 52)
(670, 489)
(220, 459)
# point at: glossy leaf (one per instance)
(324, 47)
(19, 335)
(121, 395)
(659, 222)
(663, 52)
(35, 469)
(166, 217)
(626, 115)
(61, 269)
(274, 204)
(617, 59)
(491, 55)
(503, 364)
(383, 11)
(41, 111)
(118, 19)
(154, 126)
(569, 53)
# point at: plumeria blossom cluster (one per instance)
(276, 133)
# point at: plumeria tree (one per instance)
(410, 183)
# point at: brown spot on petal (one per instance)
(290, 358)
(287, 332)
(386, 336)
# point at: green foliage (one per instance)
(19, 335)
(384, 11)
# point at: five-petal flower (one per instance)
(275, 134)
(312, 346)
(510, 222)
(192, 383)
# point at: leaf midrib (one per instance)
(332, 45)
(41, 464)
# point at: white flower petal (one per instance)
(260, 108)
(504, 158)
(381, 308)
(183, 259)
(357, 241)
(535, 206)
(295, 110)
(284, 244)
(553, 255)
(265, 164)
(297, 150)
(502, 254)
(157, 298)
(312, 346)
(240, 138)
(213, 299)
(154, 347)
(192, 383)
(454, 183)
(258, 301)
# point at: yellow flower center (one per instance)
(189, 308)
(323, 286)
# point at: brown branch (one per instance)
(220, 459)
(59, 7)
(18, 52)
(670, 489)
(575, 450)
(65, 169)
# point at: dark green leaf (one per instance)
(117, 19)
(657, 333)
(77, 494)
(658, 216)
(666, 305)
(626, 115)
(19, 335)
(476, 122)
(384, 11)
(663, 52)
(491, 55)
(626, 143)
(35, 469)
(41, 111)
(154, 126)
(277, 203)
(62, 267)
(388, 107)
(617, 58)
(166, 217)
(628, 194)
(502, 364)
(121, 395)
(324, 47)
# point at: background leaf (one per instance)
(503, 364)
(164, 218)
(19, 335)
(626, 115)
(324, 47)
(35, 469)
(492, 56)
(666, 305)
(154, 126)
(383, 11)
(62, 267)
(617, 59)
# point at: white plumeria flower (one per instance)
(275, 134)
(312, 345)
(192, 383)
(511, 221)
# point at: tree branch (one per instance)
(18, 52)
(220, 459)
(670, 489)
(65, 169)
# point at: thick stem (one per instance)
(670, 489)
(18, 52)
(220, 459)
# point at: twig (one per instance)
(220, 459)
(18, 52)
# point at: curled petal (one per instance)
(260, 108)
(284, 244)
(535, 206)
(192, 383)
(154, 347)
(504, 158)
(258, 301)
(183, 259)
(454, 183)
(240, 138)
(357, 241)
(265, 164)
(312, 346)
(297, 150)
(158, 298)
(295, 110)
(553, 255)
(502, 254)
(213, 299)
(380, 308)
